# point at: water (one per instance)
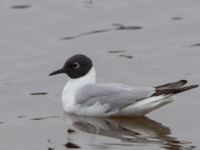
(121, 133)
(140, 43)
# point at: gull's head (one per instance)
(75, 67)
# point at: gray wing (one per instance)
(116, 96)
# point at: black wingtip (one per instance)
(172, 85)
(186, 88)
(194, 86)
(172, 91)
(183, 81)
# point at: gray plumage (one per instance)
(118, 96)
(115, 96)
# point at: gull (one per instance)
(83, 96)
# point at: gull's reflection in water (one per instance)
(131, 132)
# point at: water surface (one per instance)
(140, 43)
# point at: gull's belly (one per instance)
(94, 110)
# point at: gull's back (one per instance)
(114, 98)
(123, 100)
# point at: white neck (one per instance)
(75, 84)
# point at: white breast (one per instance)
(72, 87)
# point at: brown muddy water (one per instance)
(135, 42)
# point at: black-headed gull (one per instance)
(83, 96)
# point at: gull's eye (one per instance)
(75, 65)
